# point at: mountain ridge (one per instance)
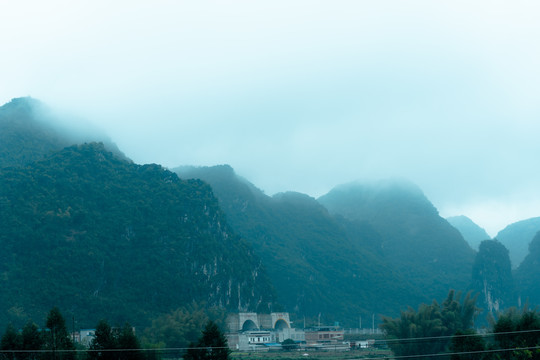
(29, 131)
(415, 238)
(117, 237)
(517, 237)
(362, 249)
(470, 231)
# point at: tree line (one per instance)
(445, 331)
(54, 342)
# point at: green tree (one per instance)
(109, 342)
(289, 344)
(103, 341)
(515, 329)
(181, 327)
(32, 340)
(56, 337)
(11, 340)
(426, 331)
(212, 345)
(466, 345)
(127, 340)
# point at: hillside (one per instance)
(471, 232)
(318, 263)
(528, 273)
(101, 237)
(422, 246)
(30, 131)
(517, 237)
(492, 278)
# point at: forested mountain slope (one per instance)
(101, 237)
(422, 246)
(318, 263)
(492, 278)
(30, 131)
(528, 273)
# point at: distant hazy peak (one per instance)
(22, 108)
(223, 169)
(30, 130)
(357, 200)
(292, 195)
(379, 187)
(383, 185)
(517, 237)
(470, 231)
(22, 103)
(394, 192)
(223, 179)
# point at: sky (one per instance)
(301, 95)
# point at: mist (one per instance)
(301, 96)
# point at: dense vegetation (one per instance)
(212, 345)
(29, 131)
(492, 277)
(103, 237)
(423, 247)
(181, 327)
(108, 343)
(23, 140)
(319, 263)
(428, 330)
(446, 332)
(52, 342)
(528, 273)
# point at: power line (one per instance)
(404, 340)
(5, 351)
(417, 339)
(478, 352)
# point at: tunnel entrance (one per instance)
(249, 325)
(281, 324)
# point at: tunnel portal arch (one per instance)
(281, 324)
(249, 325)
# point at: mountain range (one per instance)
(84, 228)
(319, 263)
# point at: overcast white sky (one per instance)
(302, 95)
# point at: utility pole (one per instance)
(73, 327)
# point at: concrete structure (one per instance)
(252, 331)
(251, 321)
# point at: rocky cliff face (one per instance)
(492, 277)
